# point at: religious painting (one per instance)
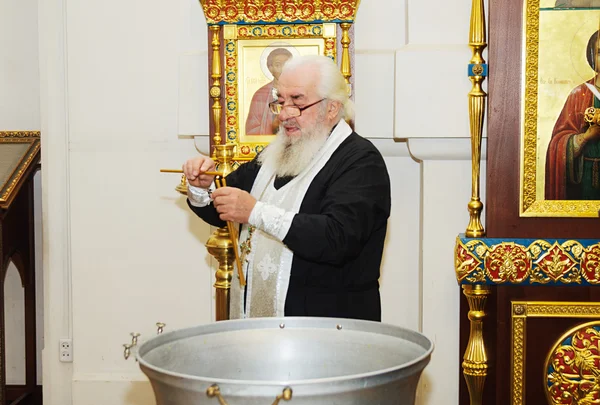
(254, 58)
(560, 162)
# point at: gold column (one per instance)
(346, 69)
(475, 362)
(219, 244)
(215, 90)
(477, 97)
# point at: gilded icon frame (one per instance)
(544, 93)
(27, 153)
(241, 43)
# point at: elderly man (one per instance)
(313, 205)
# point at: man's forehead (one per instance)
(296, 82)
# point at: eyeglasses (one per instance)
(292, 110)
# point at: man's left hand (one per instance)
(233, 204)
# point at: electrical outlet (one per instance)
(66, 350)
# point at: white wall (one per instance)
(124, 93)
(20, 111)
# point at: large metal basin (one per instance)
(251, 362)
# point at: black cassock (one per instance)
(338, 235)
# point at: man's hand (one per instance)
(233, 204)
(195, 168)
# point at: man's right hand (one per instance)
(195, 168)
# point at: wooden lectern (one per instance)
(19, 158)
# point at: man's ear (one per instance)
(333, 109)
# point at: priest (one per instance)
(313, 205)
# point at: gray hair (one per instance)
(331, 85)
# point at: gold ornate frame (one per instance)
(238, 37)
(530, 205)
(24, 158)
(521, 310)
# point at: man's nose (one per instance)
(283, 115)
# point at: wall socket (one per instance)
(66, 350)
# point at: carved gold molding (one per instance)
(521, 310)
(9, 189)
(572, 365)
(273, 11)
(527, 261)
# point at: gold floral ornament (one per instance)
(526, 261)
(270, 11)
(557, 264)
(508, 262)
(573, 367)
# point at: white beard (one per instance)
(291, 155)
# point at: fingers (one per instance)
(222, 192)
(193, 170)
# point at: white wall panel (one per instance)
(446, 192)
(438, 22)
(122, 70)
(381, 25)
(400, 269)
(136, 247)
(431, 92)
(192, 27)
(374, 94)
(19, 68)
(193, 114)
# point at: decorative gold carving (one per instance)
(518, 350)
(590, 264)
(215, 90)
(477, 97)
(530, 113)
(475, 362)
(244, 11)
(478, 69)
(573, 367)
(466, 264)
(557, 263)
(540, 309)
(570, 310)
(346, 70)
(542, 262)
(507, 262)
(9, 189)
(519, 309)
